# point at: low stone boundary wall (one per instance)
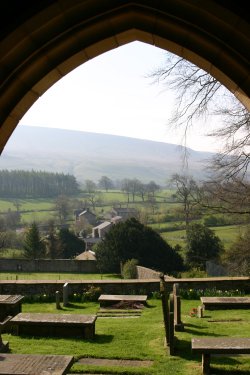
(49, 287)
(48, 265)
(34, 287)
(147, 273)
(219, 283)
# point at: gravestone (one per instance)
(65, 294)
(178, 325)
(164, 302)
(58, 306)
(200, 312)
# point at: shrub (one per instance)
(129, 270)
(92, 293)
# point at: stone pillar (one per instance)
(65, 294)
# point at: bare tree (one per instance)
(186, 189)
(232, 197)
(90, 186)
(105, 183)
(199, 94)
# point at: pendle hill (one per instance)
(90, 155)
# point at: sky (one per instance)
(113, 94)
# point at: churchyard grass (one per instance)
(141, 338)
(56, 276)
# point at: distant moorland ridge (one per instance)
(90, 155)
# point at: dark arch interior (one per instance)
(42, 41)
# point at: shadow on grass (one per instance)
(72, 306)
(215, 371)
(193, 325)
(149, 306)
(102, 339)
(223, 360)
(195, 332)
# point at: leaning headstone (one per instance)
(58, 306)
(65, 294)
(178, 325)
(200, 312)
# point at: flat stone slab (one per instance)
(48, 324)
(114, 362)
(28, 364)
(221, 345)
(210, 303)
(122, 297)
(111, 299)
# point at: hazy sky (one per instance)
(111, 94)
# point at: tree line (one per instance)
(36, 184)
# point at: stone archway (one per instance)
(43, 41)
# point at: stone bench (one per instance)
(62, 325)
(212, 303)
(30, 364)
(222, 345)
(112, 299)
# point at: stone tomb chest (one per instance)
(10, 305)
(47, 324)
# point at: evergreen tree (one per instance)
(202, 245)
(133, 240)
(53, 248)
(34, 247)
(70, 244)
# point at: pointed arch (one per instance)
(43, 41)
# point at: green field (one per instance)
(227, 234)
(142, 339)
(41, 210)
(26, 204)
(55, 276)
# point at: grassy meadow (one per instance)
(142, 339)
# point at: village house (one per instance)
(85, 216)
(124, 212)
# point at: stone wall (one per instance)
(147, 273)
(37, 287)
(48, 265)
